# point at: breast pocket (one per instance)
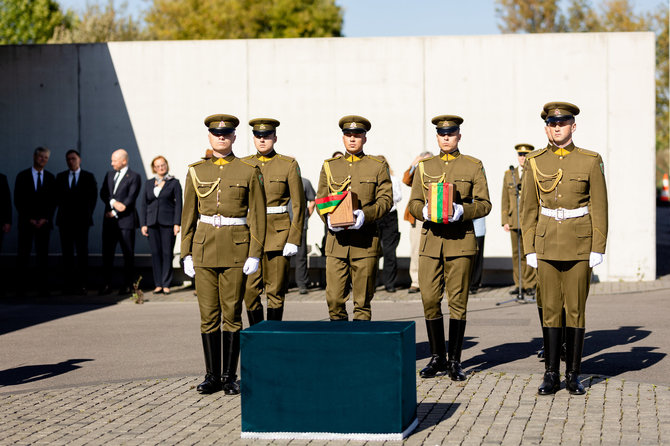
(277, 186)
(368, 187)
(463, 187)
(235, 189)
(577, 182)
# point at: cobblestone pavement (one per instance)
(488, 408)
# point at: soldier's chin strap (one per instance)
(556, 176)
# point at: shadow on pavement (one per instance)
(17, 316)
(616, 363)
(431, 414)
(423, 348)
(30, 373)
(502, 354)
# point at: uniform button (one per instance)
(560, 182)
(220, 167)
(350, 164)
(446, 162)
(349, 176)
(560, 157)
(559, 195)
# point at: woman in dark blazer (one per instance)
(160, 217)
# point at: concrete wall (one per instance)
(151, 97)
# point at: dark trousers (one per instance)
(477, 265)
(161, 242)
(27, 234)
(111, 235)
(74, 238)
(301, 271)
(389, 237)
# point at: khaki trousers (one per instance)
(445, 273)
(564, 285)
(272, 276)
(220, 292)
(528, 273)
(414, 239)
(357, 275)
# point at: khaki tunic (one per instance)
(283, 186)
(351, 255)
(443, 246)
(560, 244)
(231, 189)
(509, 216)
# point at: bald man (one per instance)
(119, 192)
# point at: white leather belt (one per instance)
(277, 209)
(562, 214)
(219, 220)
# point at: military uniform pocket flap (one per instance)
(199, 237)
(368, 180)
(576, 176)
(583, 230)
(236, 183)
(282, 224)
(276, 179)
(540, 230)
(240, 237)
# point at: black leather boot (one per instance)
(456, 335)
(438, 349)
(540, 352)
(231, 353)
(551, 382)
(255, 316)
(574, 339)
(211, 344)
(563, 343)
(275, 314)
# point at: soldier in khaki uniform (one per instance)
(510, 221)
(223, 231)
(352, 253)
(564, 227)
(282, 185)
(446, 251)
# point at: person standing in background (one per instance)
(390, 236)
(160, 220)
(5, 219)
(415, 228)
(478, 261)
(301, 267)
(77, 194)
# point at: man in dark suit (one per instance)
(119, 192)
(5, 208)
(76, 194)
(35, 202)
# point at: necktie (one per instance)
(39, 181)
(72, 181)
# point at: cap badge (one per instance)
(222, 124)
(557, 112)
(352, 125)
(261, 127)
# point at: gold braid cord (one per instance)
(196, 181)
(331, 183)
(556, 176)
(422, 173)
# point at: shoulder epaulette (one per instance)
(196, 163)
(247, 157)
(244, 160)
(373, 157)
(331, 159)
(536, 153)
(587, 152)
(471, 158)
(285, 157)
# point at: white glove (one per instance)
(531, 260)
(330, 227)
(360, 219)
(458, 212)
(251, 265)
(189, 270)
(424, 212)
(595, 259)
(290, 250)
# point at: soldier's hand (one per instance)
(331, 227)
(458, 212)
(424, 212)
(506, 227)
(290, 250)
(251, 265)
(595, 259)
(360, 219)
(189, 270)
(531, 260)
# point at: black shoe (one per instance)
(514, 292)
(530, 292)
(574, 341)
(455, 371)
(474, 290)
(456, 336)
(413, 289)
(551, 383)
(573, 385)
(231, 353)
(390, 289)
(105, 290)
(231, 388)
(303, 290)
(255, 316)
(275, 314)
(540, 353)
(125, 291)
(437, 364)
(211, 384)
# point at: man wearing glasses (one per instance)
(283, 187)
(222, 236)
(564, 229)
(352, 252)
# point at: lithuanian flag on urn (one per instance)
(440, 202)
(328, 204)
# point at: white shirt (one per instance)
(34, 172)
(397, 192)
(76, 177)
(118, 177)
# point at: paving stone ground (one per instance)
(489, 408)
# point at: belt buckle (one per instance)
(560, 214)
(216, 221)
